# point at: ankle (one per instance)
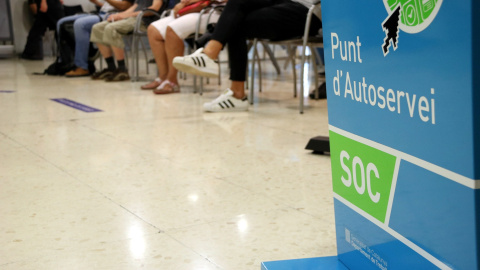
(238, 95)
(210, 54)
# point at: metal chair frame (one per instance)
(211, 10)
(292, 44)
(137, 35)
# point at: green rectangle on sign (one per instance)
(362, 175)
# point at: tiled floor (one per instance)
(152, 182)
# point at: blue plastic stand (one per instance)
(321, 263)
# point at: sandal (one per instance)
(167, 87)
(152, 85)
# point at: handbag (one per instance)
(192, 8)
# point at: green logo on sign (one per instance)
(362, 175)
(411, 16)
(416, 15)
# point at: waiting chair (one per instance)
(211, 9)
(138, 35)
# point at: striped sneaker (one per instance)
(197, 63)
(226, 102)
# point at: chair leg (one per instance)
(259, 63)
(291, 52)
(272, 57)
(195, 84)
(134, 52)
(315, 70)
(252, 70)
(302, 74)
(294, 72)
(219, 72)
(144, 48)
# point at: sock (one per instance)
(110, 63)
(121, 65)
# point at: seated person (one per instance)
(240, 20)
(82, 26)
(108, 36)
(47, 13)
(166, 40)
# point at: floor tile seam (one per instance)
(19, 144)
(179, 230)
(196, 252)
(309, 214)
(36, 122)
(52, 252)
(11, 263)
(66, 121)
(96, 191)
(133, 214)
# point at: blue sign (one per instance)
(403, 88)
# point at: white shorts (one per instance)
(185, 25)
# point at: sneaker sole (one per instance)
(225, 110)
(76, 75)
(119, 78)
(194, 70)
(102, 77)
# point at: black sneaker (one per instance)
(322, 92)
(118, 76)
(101, 74)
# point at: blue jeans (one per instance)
(82, 27)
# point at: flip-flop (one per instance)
(152, 85)
(167, 87)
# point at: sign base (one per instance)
(319, 263)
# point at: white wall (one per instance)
(22, 19)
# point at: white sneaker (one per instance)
(197, 63)
(226, 102)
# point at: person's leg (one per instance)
(179, 30)
(230, 21)
(157, 44)
(83, 28)
(113, 36)
(233, 16)
(54, 13)
(96, 36)
(173, 46)
(281, 21)
(34, 47)
(67, 19)
(114, 33)
(229, 27)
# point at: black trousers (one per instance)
(34, 45)
(266, 19)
